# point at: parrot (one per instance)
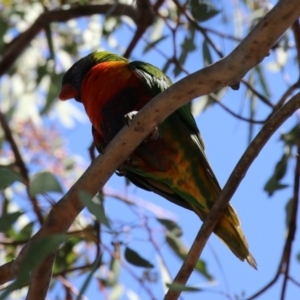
(171, 161)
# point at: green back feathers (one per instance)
(156, 81)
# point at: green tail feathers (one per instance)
(229, 231)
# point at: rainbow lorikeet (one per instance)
(171, 161)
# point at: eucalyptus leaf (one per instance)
(3, 29)
(55, 82)
(88, 279)
(135, 259)
(274, 184)
(7, 220)
(38, 252)
(95, 207)
(182, 288)
(171, 226)
(8, 177)
(187, 46)
(202, 10)
(206, 54)
(44, 182)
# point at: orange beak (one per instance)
(67, 92)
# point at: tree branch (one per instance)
(17, 46)
(230, 187)
(145, 19)
(283, 266)
(22, 166)
(40, 279)
(291, 225)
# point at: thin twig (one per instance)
(145, 18)
(258, 94)
(283, 266)
(21, 164)
(294, 281)
(285, 96)
(215, 98)
(292, 223)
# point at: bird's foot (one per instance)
(128, 118)
(131, 162)
(121, 171)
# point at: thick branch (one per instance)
(61, 15)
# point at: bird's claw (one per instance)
(153, 136)
(121, 171)
(128, 118)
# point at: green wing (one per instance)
(156, 81)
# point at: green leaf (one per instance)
(171, 226)
(181, 251)
(55, 82)
(262, 81)
(274, 184)
(50, 41)
(165, 275)
(8, 177)
(87, 281)
(95, 207)
(41, 71)
(298, 256)
(36, 254)
(202, 10)
(115, 268)
(292, 136)
(66, 255)
(207, 60)
(166, 66)
(44, 182)
(135, 259)
(187, 46)
(7, 220)
(182, 288)
(26, 232)
(3, 29)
